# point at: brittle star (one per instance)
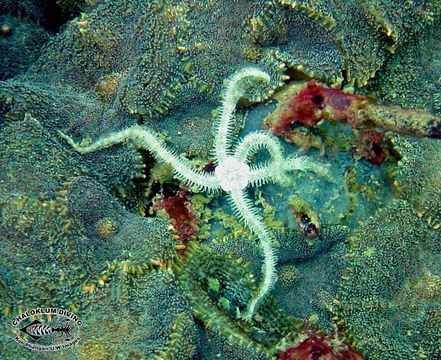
(232, 174)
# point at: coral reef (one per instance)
(20, 45)
(416, 176)
(311, 270)
(232, 174)
(69, 221)
(381, 305)
(169, 219)
(410, 77)
(218, 297)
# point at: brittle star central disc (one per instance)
(232, 174)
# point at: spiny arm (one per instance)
(270, 171)
(144, 139)
(277, 167)
(245, 211)
(254, 141)
(303, 163)
(231, 96)
(277, 171)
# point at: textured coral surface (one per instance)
(269, 186)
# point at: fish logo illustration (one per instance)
(47, 329)
(36, 329)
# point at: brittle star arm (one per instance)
(144, 139)
(303, 163)
(278, 166)
(268, 171)
(245, 211)
(231, 95)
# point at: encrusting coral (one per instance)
(232, 173)
(351, 260)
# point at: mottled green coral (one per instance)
(334, 38)
(309, 274)
(410, 78)
(52, 214)
(217, 347)
(151, 57)
(380, 304)
(400, 20)
(35, 223)
(417, 176)
(291, 34)
(21, 101)
(142, 316)
(35, 10)
(228, 291)
(136, 239)
(20, 45)
(162, 63)
(218, 288)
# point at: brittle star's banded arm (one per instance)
(271, 170)
(143, 138)
(232, 94)
(247, 213)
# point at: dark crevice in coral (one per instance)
(295, 74)
(50, 14)
(56, 18)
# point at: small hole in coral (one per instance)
(318, 100)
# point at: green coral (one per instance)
(309, 274)
(35, 218)
(143, 315)
(218, 289)
(390, 288)
(400, 20)
(219, 347)
(52, 214)
(241, 247)
(417, 174)
(294, 36)
(380, 306)
(358, 38)
(41, 105)
(136, 239)
(410, 78)
(35, 10)
(21, 42)
(213, 283)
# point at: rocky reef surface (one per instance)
(344, 228)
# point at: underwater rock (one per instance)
(80, 232)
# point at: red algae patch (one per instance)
(310, 103)
(319, 347)
(179, 210)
